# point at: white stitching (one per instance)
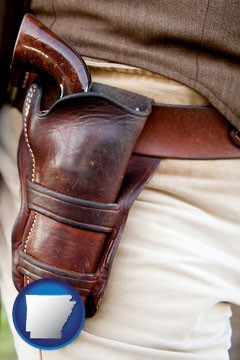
(26, 113)
(30, 232)
(28, 237)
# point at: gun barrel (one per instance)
(39, 50)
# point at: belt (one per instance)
(186, 132)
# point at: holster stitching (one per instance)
(26, 113)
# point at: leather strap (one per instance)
(187, 133)
(52, 204)
(84, 214)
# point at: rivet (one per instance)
(235, 136)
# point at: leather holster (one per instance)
(78, 180)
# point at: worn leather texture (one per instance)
(188, 132)
(77, 186)
(82, 164)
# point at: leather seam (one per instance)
(30, 233)
(26, 113)
(28, 237)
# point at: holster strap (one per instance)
(84, 214)
(81, 213)
(186, 132)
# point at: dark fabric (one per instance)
(196, 42)
(11, 13)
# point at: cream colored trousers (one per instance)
(177, 269)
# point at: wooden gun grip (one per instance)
(39, 50)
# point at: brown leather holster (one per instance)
(83, 162)
(78, 180)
